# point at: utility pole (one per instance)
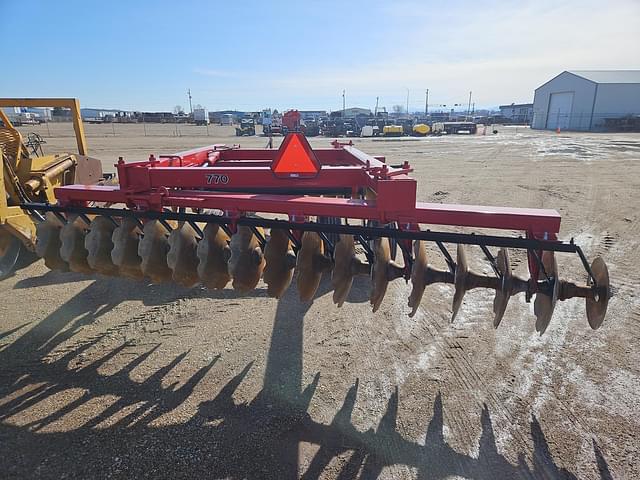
(469, 107)
(375, 112)
(407, 103)
(426, 104)
(190, 107)
(344, 108)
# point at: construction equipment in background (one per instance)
(392, 131)
(421, 130)
(247, 127)
(217, 215)
(292, 122)
(271, 123)
(29, 176)
(311, 128)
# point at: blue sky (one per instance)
(144, 55)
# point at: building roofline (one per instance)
(565, 71)
(516, 105)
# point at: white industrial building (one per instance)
(517, 112)
(584, 100)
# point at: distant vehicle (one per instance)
(311, 128)
(455, 127)
(200, 116)
(25, 118)
(271, 122)
(226, 119)
(370, 131)
(247, 127)
(291, 121)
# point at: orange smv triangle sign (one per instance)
(295, 158)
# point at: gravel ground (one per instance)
(109, 378)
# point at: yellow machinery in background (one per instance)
(392, 131)
(421, 129)
(29, 176)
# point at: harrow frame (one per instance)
(341, 182)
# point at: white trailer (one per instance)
(201, 116)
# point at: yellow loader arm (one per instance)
(33, 178)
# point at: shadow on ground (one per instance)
(224, 439)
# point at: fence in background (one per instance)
(586, 121)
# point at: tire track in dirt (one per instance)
(469, 379)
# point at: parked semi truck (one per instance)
(201, 116)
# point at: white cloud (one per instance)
(500, 51)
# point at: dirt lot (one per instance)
(106, 377)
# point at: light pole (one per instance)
(407, 103)
(343, 103)
(426, 104)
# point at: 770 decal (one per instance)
(216, 179)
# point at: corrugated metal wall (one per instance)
(579, 116)
(575, 103)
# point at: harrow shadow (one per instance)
(52, 277)
(8, 333)
(225, 438)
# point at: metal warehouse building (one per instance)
(586, 100)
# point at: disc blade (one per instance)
(544, 303)
(597, 308)
(344, 257)
(310, 265)
(460, 280)
(247, 260)
(280, 262)
(182, 258)
(99, 245)
(72, 249)
(124, 255)
(48, 242)
(503, 294)
(379, 271)
(152, 249)
(418, 276)
(213, 253)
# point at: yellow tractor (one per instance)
(27, 175)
